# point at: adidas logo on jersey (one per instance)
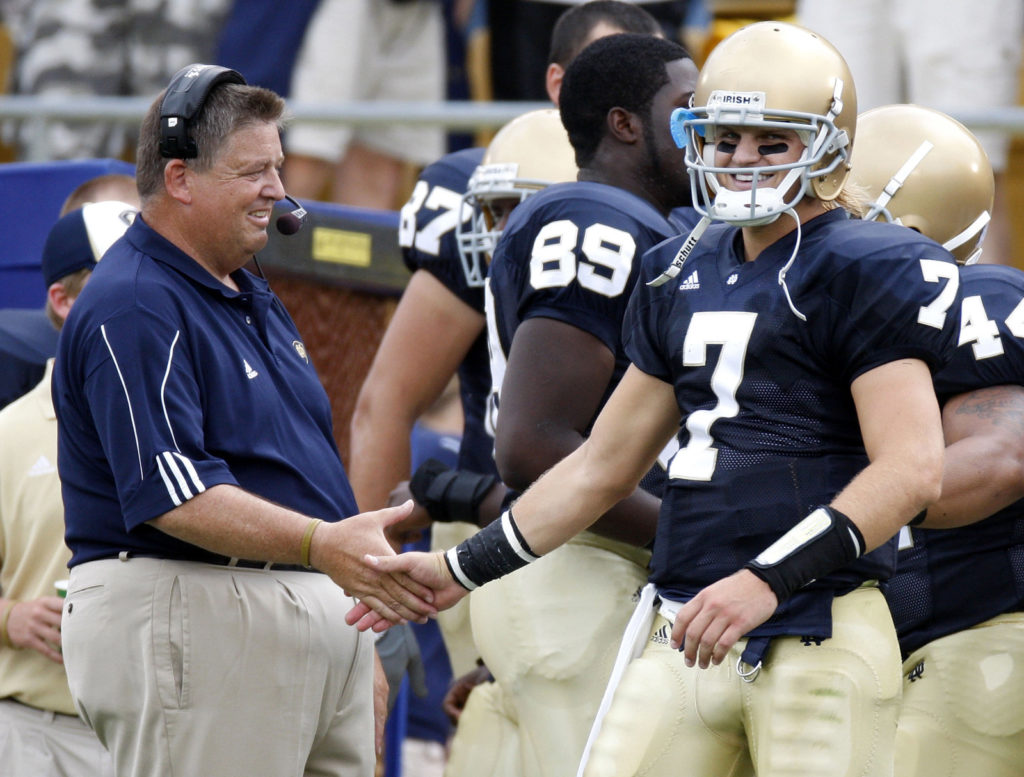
(732, 279)
(661, 636)
(250, 373)
(43, 466)
(917, 672)
(690, 283)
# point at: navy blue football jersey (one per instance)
(570, 253)
(427, 237)
(949, 580)
(761, 370)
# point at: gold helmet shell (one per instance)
(526, 155)
(774, 74)
(927, 171)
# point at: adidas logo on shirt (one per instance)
(250, 373)
(690, 283)
(43, 466)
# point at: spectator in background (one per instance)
(942, 54)
(40, 732)
(365, 50)
(521, 29)
(278, 30)
(100, 48)
(27, 337)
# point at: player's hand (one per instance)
(410, 528)
(426, 569)
(714, 620)
(339, 550)
(455, 700)
(35, 625)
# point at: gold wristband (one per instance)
(4, 639)
(307, 540)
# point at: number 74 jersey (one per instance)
(761, 357)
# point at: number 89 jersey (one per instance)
(570, 253)
(769, 427)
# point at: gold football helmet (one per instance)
(529, 153)
(925, 170)
(770, 74)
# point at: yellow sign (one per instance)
(342, 247)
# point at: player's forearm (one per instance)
(980, 478)
(379, 457)
(983, 470)
(227, 520)
(570, 498)
(892, 491)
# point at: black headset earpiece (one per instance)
(184, 98)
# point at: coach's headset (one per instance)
(182, 102)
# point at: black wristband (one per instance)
(823, 541)
(494, 551)
(449, 495)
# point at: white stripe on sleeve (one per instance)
(163, 388)
(168, 482)
(190, 470)
(128, 399)
(175, 470)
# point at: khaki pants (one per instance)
(549, 634)
(812, 710)
(963, 704)
(188, 668)
(46, 744)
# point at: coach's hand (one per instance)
(714, 620)
(426, 569)
(339, 550)
(35, 625)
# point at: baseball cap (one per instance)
(81, 237)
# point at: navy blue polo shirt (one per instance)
(166, 383)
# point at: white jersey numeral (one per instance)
(608, 254)
(935, 271)
(980, 330)
(497, 358)
(447, 203)
(732, 330)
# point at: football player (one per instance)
(556, 293)
(958, 593)
(438, 330)
(788, 352)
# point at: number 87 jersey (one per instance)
(761, 356)
(570, 253)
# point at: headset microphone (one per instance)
(291, 222)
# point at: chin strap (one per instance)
(788, 264)
(684, 251)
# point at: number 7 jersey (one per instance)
(761, 367)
